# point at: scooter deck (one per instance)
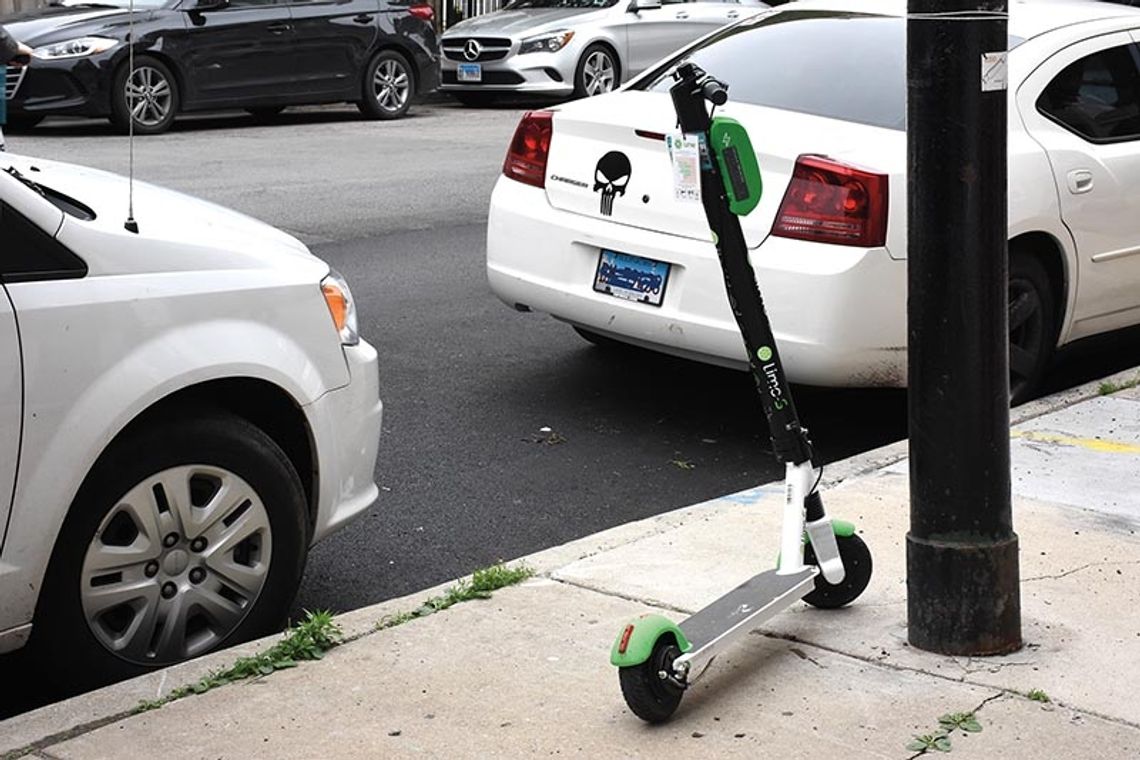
(754, 601)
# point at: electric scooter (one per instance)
(821, 561)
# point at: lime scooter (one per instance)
(821, 561)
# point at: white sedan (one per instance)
(586, 225)
(184, 410)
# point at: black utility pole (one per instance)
(962, 569)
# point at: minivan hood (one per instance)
(176, 232)
(517, 23)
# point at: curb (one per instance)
(51, 724)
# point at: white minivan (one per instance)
(184, 410)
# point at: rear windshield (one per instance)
(847, 66)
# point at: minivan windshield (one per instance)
(836, 64)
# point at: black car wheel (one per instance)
(187, 536)
(598, 72)
(1032, 325)
(388, 85)
(146, 94)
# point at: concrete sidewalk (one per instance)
(526, 673)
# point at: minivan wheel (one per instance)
(148, 93)
(388, 86)
(186, 537)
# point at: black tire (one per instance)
(65, 643)
(265, 113)
(1032, 325)
(591, 68)
(475, 99)
(648, 696)
(388, 86)
(22, 122)
(857, 564)
(157, 85)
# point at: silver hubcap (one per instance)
(391, 85)
(149, 96)
(176, 565)
(598, 73)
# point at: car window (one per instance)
(31, 254)
(250, 3)
(1098, 97)
(838, 64)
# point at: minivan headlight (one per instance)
(341, 307)
(546, 43)
(76, 48)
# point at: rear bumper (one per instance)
(839, 313)
(346, 426)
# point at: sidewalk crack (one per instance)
(1086, 566)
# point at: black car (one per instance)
(194, 55)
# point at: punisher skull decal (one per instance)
(611, 177)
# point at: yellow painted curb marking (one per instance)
(1092, 444)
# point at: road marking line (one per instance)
(1092, 444)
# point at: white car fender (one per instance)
(121, 391)
(1034, 207)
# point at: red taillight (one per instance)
(425, 12)
(529, 149)
(831, 202)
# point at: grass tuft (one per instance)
(481, 585)
(308, 640)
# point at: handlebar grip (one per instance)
(715, 92)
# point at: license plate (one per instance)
(470, 72)
(631, 277)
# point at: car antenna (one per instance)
(130, 225)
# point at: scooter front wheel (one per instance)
(649, 695)
(857, 574)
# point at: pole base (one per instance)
(963, 598)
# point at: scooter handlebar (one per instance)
(714, 92)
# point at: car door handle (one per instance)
(1080, 181)
(279, 27)
(682, 15)
(364, 18)
(734, 14)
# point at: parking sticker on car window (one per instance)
(684, 154)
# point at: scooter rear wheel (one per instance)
(649, 696)
(857, 564)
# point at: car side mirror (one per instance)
(636, 6)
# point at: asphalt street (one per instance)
(504, 433)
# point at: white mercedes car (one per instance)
(585, 223)
(572, 47)
(184, 410)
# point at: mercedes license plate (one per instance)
(470, 72)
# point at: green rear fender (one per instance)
(638, 637)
